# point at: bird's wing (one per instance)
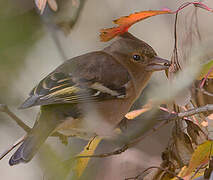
(94, 76)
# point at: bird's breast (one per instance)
(98, 118)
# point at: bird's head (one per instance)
(136, 54)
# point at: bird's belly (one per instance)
(99, 118)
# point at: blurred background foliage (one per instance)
(32, 45)
(18, 33)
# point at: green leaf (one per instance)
(205, 69)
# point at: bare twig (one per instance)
(152, 167)
(128, 145)
(175, 51)
(204, 92)
(191, 112)
(197, 170)
(180, 115)
(4, 108)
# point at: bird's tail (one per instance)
(41, 130)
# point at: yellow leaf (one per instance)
(82, 163)
(181, 173)
(199, 157)
(205, 69)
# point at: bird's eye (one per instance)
(136, 57)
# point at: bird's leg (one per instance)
(4, 108)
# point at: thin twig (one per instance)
(156, 167)
(204, 92)
(128, 145)
(197, 170)
(191, 112)
(4, 108)
(180, 115)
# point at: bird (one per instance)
(90, 94)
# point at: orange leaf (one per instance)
(138, 16)
(199, 157)
(126, 22)
(110, 33)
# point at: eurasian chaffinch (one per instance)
(90, 94)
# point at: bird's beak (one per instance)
(158, 64)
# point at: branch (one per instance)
(172, 117)
(4, 108)
(156, 167)
(191, 112)
(180, 115)
(205, 92)
(128, 145)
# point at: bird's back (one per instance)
(78, 74)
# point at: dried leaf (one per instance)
(205, 69)
(210, 125)
(195, 132)
(82, 163)
(199, 157)
(183, 145)
(41, 4)
(53, 5)
(135, 113)
(126, 22)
